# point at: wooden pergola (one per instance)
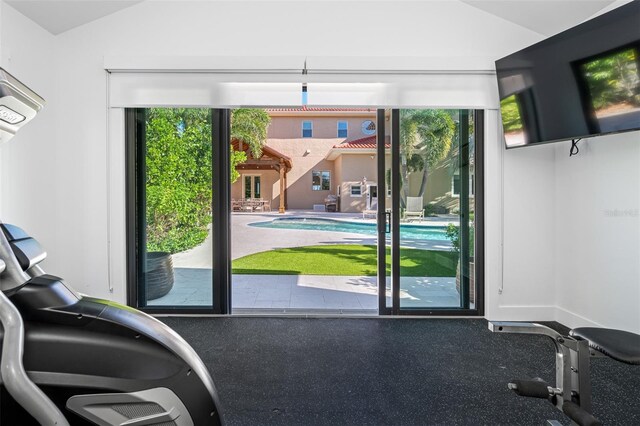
(270, 160)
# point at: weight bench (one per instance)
(572, 394)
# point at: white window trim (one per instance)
(303, 129)
(321, 172)
(338, 128)
(353, 185)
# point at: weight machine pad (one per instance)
(620, 345)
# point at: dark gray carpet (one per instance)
(292, 371)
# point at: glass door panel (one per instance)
(174, 196)
(252, 187)
(435, 248)
(384, 207)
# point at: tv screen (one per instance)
(582, 82)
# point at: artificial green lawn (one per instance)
(356, 260)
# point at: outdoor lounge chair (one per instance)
(414, 208)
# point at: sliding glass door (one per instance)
(307, 212)
(172, 165)
(430, 220)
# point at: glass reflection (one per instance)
(613, 90)
(512, 121)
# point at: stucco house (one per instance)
(315, 152)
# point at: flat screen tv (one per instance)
(582, 82)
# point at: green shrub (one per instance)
(178, 178)
(178, 172)
(453, 234)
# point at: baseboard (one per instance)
(522, 313)
(573, 320)
(541, 313)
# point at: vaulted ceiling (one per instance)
(545, 17)
(58, 16)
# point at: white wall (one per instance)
(597, 216)
(519, 229)
(247, 29)
(76, 170)
(29, 163)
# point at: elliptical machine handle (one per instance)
(15, 378)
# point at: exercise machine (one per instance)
(69, 359)
(572, 391)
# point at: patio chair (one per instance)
(236, 205)
(415, 209)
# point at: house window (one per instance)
(307, 129)
(355, 189)
(320, 180)
(343, 129)
(455, 185)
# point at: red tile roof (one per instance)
(368, 142)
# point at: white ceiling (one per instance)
(546, 17)
(58, 16)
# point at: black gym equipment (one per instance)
(69, 359)
(572, 393)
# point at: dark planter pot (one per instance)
(472, 281)
(158, 274)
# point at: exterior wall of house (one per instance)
(353, 168)
(324, 127)
(439, 188)
(308, 155)
(299, 178)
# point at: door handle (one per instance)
(387, 222)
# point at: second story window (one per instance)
(343, 129)
(307, 129)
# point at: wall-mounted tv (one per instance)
(580, 83)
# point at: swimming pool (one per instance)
(413, 232)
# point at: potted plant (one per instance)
(453, 233)
(158, 274)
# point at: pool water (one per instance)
(413, 232)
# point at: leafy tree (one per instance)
(178, 171)
(425, 139)
(613, 79)
(250, 125)
(511, 116)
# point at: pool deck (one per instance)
(246, 240)
(286, 293)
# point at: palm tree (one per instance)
(425, 139)
(249, 126)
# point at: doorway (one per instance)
(414, 247)
(251, 185)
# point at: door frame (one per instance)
(391, 224)
(135, 143)
(244, 184)
(221, 214)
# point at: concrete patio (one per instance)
(290, 293)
